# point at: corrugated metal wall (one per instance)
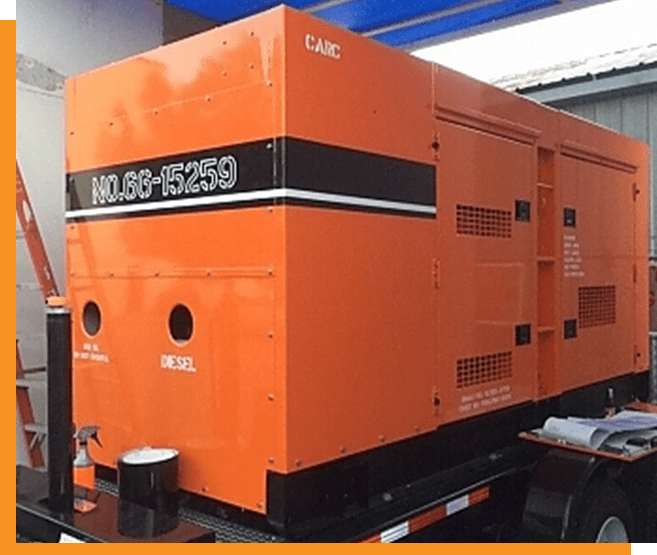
(631, 114)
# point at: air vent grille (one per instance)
(597, 305)
(483, 369)
(484, 222)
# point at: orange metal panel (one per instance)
(362, 332)
(227, 416)
(487, 266)
(217, 88)
(599, 172)
(461, 99)
(598, 256)
(362, 307)
(387, 112)
(224, 411)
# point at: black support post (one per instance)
(60, 408)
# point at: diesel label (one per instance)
(176, 362)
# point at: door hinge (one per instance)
(435, 273)
(435, 401)
(435, 146)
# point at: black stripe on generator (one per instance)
(252, 174)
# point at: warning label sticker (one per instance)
(572, 258)
(485, 399)
(91, 352)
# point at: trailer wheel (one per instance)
(651, 513)
(606, 516)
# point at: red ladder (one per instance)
(33, 432)
(32, 236)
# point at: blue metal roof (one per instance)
(402, 23)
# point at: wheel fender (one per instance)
(555, 495)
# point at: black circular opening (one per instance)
(91, 318)
(181, 323)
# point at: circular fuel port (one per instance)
(181, 324)
(91, 318)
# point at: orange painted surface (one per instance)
(362, 328)
(218, 88)
(320, 332)
(219, 416)
(385, 113)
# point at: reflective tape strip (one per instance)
(479, 495)
(430, 517)
(66, 538)
(427, 519)
(395, 533)
(457, 505)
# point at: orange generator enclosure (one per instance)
(289, 247)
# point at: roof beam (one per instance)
(562, 7)
(325, 5)
(463, 8)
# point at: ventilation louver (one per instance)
(597, 305)
(484, 222)
(483, 369)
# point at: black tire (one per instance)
(651, 513)
(606, 515)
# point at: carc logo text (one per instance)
(322, 46)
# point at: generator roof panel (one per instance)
(401, 23)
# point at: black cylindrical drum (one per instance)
(60, 409)
(149, 477)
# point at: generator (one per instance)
(323, 270)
